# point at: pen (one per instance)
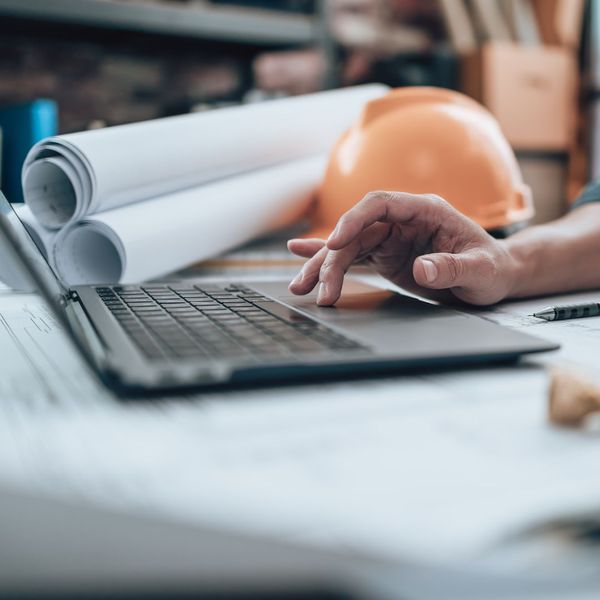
(569, 311)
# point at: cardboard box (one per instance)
(532, 91)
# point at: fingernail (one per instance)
(322, 293)
(297, 279)
(430, 269)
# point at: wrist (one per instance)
(521, 265)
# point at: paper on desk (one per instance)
(153, 238)
(580, 338)
(69, 177)
(440, 467)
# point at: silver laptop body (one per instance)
(154, 337)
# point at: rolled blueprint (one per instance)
(69, 177)
(153, 238)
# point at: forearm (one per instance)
(560, 256)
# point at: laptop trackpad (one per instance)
(400, 325)
(361, 303)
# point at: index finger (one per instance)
(387, 207)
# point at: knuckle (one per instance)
(389, 197)
(379, 196)
(370, 201)
(371, 196)
(328, 268)
(436, 200)
(366, 200)
(313, 265)
(454, 266)
(489, 266)
(343, 220)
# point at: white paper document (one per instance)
(438, 467)
(580, 338)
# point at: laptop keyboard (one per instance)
(232, 321)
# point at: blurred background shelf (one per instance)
(239, 25)
(533, 63)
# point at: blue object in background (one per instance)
(22, 126)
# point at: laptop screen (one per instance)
(24, 266)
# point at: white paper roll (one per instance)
(68, 177)
(149, 239)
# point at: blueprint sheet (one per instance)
(446, 467)
(580, 338)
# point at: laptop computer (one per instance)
(186, 334)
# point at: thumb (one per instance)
(445, 270)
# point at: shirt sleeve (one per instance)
(590, 193)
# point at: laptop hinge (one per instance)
(79, 320)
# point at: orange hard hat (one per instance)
(426, 140)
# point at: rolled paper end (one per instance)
(571, 398)
(86, 255)
(49, 193)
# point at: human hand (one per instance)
(418, 242)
